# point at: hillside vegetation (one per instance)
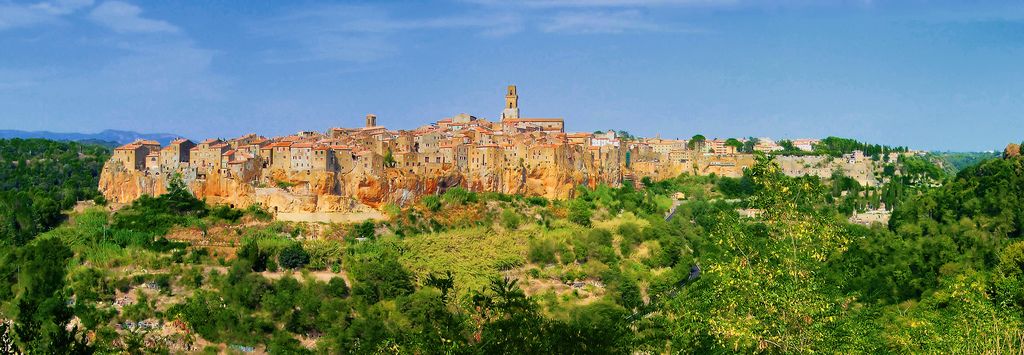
(764, 263)
(41, 178)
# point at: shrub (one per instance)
(293, 257)
(629, 229)
(508, 263)
(364, 230)
(596, 243)
(458, 196)
(432, 203)
(580, 212)
(323, 253)
(251, 253)
(337, 287)
(510, 219)
(392, 210)
(258, 212)
(1009, 277)
(542, 251)
(537, 201)
(226, 213)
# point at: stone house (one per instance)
(301, 156)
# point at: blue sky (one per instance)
(930, 74)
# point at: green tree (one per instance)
(42, 314)
(697, 142)
(337, 287)
(389, 159)
(748, 146)
(735, 143)
(251, 252)
(379, 276)
(364, 230)
(293, 256)
(580, 212)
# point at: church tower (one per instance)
(371, 120)
(511, 104)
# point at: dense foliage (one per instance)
(953, 162)
(836, 146)
(41, 178)
(760, 263)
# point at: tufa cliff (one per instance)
(324, 191)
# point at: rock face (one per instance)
(1012, 150)
(332, 192)
(121, 185)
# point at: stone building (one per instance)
(458, 149)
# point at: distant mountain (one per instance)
(110, 135)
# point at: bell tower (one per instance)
(511, 104)
(371, 120)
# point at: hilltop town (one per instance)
(349, 169)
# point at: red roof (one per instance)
(129, 146)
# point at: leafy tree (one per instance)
(40, 178)
(542, 250)
(42, 314)
(629, 294)
(364, 230)
(697, 142)
(251, 252)
(580, 212)
(282, 343)
(735, 143)
(293, 256)
(777, 261)
(337, 287)
(389, 159)
(380, 276)
(787, 146)
(1009, 276)
(749, 144)
(836, 146)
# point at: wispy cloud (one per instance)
(62, 7)
(162, 79)
(361, 33)
(599, 16)
(13, 15)
(173, 68)
(600, 22)
(123, 17)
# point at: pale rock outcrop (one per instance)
(1012, 150)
